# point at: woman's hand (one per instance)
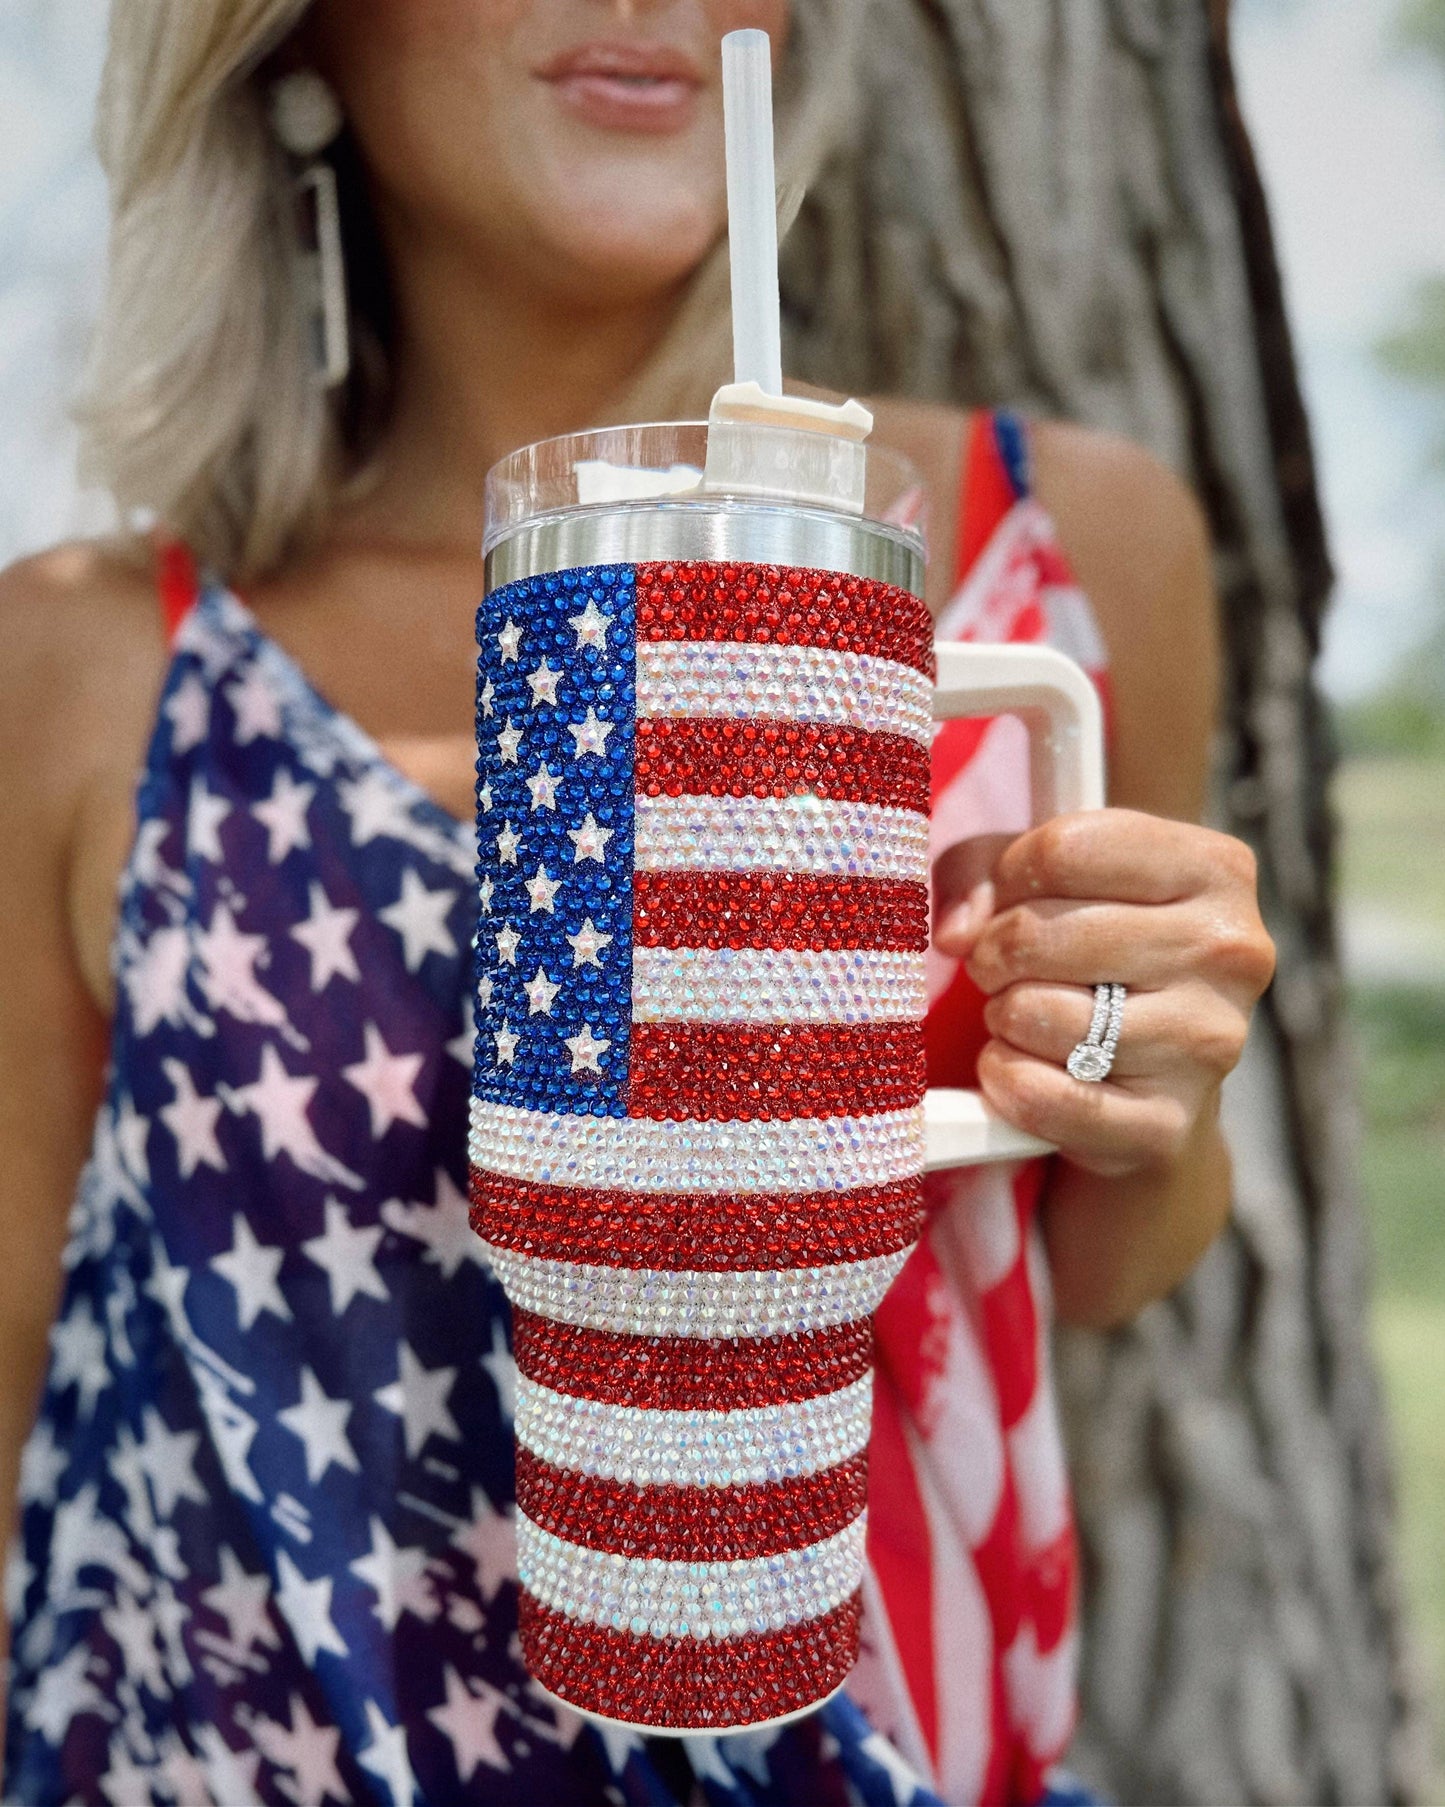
(1168, 910)
(1164, 908)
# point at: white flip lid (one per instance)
(820, 459)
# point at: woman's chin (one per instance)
(627, 258)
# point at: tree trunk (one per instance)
(1054, 204)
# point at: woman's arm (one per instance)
(63, 683)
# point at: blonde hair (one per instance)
(201, 410)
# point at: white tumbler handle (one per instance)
(1059, 706)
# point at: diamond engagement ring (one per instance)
(1092, 1059)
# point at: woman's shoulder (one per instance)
(82, 663)
(1123, 517)
(84, 652)
(1092, 482)
(1137, 541)
(78, 613)
(81, 576)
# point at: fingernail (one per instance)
(957, 925)
(968, 917)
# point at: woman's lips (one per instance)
(626, 87)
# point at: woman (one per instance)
(264, 1514)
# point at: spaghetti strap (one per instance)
(995, 476)
(178, 584)
(1011, 438)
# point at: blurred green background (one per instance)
(1346, 102)
(1391, 799)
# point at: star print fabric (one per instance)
(267, 1539)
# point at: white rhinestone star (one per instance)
(506, 1045)
(484, 799)
(543, 684)
(589, 841)
(508, 741)
(508, 941)
(591, 735)
(510, 641)
(484, 990)
(542, 890)
(590, 626)
(485, 893)
(587, 944)
(544, 790)
(586, 1050)
(508, 842)
(540, 994)
(489, 690)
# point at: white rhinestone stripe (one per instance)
(647, 1597)
(743, 1448)
(640, 1301)
(810, 1154)
(779, 834)
(798, 683)
(775, 985)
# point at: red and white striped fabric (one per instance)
(697, 1189)
(969, 1634)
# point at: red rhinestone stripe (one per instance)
(704, 1682)
(736, 1232)
(731, 1071)
(691, 1524)
(783, 606)
(713, 756)
(689, 1373)
(778, 909)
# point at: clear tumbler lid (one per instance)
(665, 465)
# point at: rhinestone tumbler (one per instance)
(698, 1126)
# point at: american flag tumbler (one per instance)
(697, 1136)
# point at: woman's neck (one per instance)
(482, 368)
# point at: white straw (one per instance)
(752, 209)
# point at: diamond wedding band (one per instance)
(1092, 1059)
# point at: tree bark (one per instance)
(1054, 204)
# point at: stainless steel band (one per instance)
(726, 532)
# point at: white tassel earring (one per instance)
(306, 119)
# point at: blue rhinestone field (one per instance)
(555, 743)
